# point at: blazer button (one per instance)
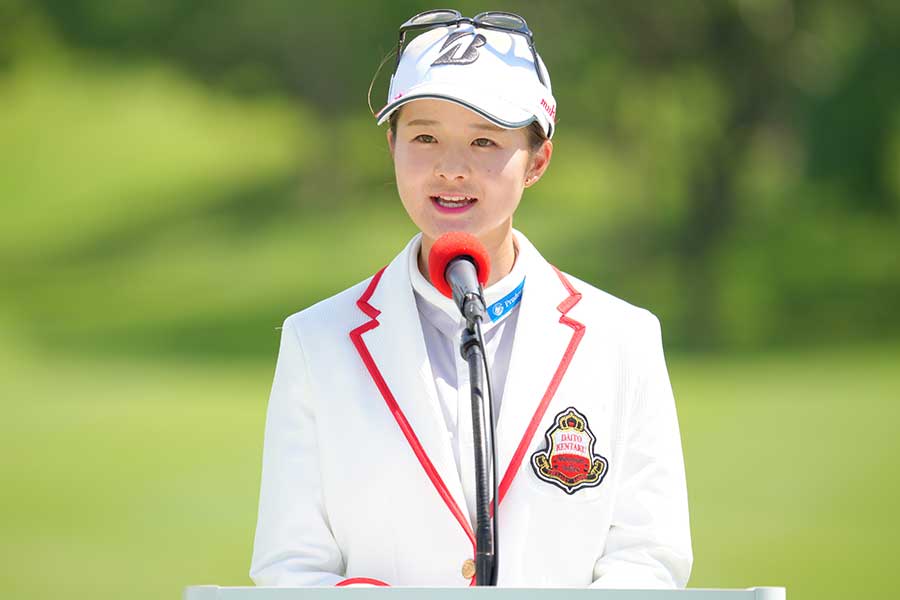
(468, 568)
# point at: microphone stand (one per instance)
(472, 350)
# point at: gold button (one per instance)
(468, 568)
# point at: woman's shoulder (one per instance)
(613, 314)
(594, 307)
(337, 313)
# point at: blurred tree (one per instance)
(701, 144)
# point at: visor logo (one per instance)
(452, 56)
(550, 110)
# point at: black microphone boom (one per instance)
(461, 275)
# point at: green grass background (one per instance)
(143, 476)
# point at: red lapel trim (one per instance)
(578, 333)
(361, 580)
(369, 362)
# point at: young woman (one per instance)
(368, 469)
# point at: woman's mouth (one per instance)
(448, 203)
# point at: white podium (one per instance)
(214, 592)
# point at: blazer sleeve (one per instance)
(649, 541)
(294, 545)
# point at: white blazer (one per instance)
(359, 478)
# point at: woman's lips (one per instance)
(453, 203)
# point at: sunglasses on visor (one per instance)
(496, 20)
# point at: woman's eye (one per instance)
(425, 138)
(484, 142)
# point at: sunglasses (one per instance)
(496, 20)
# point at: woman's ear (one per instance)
(539, 162)
(390, 141)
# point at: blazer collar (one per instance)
(396, 345)
(546, 341)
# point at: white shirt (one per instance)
(442, 326)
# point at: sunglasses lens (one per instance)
(505, 20)
(435, 16)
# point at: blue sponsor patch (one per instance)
(505, 304)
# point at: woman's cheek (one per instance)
(416, 162)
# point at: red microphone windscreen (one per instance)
(453, 245)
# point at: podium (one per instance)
(214, 592)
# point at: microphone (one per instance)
(458, 265)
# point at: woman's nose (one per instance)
(452, 166)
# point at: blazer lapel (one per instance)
(545, 342)
(396, 346)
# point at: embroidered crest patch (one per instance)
(569, 462)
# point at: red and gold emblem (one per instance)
(569, 462)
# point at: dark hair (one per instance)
(535, 133)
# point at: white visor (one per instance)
(489, 72)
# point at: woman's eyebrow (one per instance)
(426, 122)
(487, 126)
(432, 122)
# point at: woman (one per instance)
(368, 470)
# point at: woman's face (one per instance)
(457, 171)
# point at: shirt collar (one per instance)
(441, 311)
